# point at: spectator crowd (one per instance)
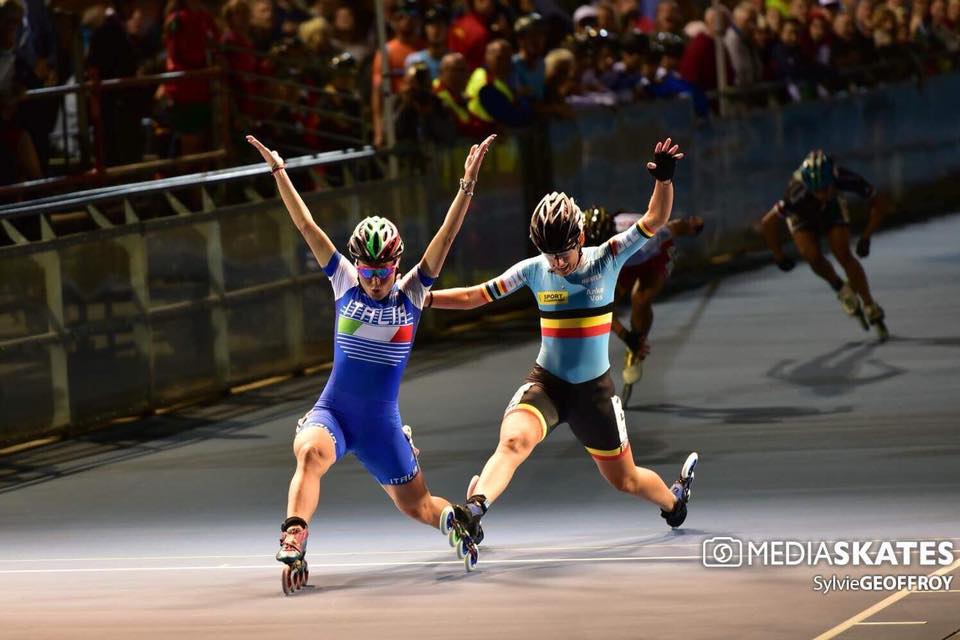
(308, 75)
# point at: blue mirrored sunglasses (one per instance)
(369, 273)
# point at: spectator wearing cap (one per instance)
(699, 62)
(470, 33)
(740, 43)
(326, 128)
(529, 70)
(436, 22)
(627, 75)
(490, 95)
(585, 17)
(450, 88)
(667, 82)
(405, 22)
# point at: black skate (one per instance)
(681, 489)
(875, 315)
(461, 525)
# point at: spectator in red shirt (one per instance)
(470, 33)
(699, 62)
(239, 55)
(405, 23)
(190, 38)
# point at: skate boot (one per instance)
(632, 366)
(876, 317)
(851, 304)
(408, 432)
(461, 525)
(681, 489)
(293, 548)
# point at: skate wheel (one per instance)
(300, 579)
(882, 331)
(462, 549)
(470, 560)
(453, 538)
(286, 581)
(446, 521)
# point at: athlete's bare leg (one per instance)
(641, 303)
(808, 245)
(624, 475)
(316, 453)
(520, 432)
(413, 499)
(838, 238)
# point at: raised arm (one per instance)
(665, 157)
(316, 239)
(436, 253)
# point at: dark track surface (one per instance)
(807, 430)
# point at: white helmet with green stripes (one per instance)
(375, 241)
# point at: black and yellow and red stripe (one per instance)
(576, 323)
(494, 289)
(609, 454)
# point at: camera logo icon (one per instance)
(722, 551)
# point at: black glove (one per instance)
(786, 264)
(666, 165)
(863, 246)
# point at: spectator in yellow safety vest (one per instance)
(450, 88)
(490, 96)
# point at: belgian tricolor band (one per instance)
(576, 323)
(611, 454)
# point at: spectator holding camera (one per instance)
(421, 117)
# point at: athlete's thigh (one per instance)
(533, 411)
(808, 244)
(383, 449)
(838, 237)
(321, 429)
(597, 419)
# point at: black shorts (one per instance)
(819, 222)
(591, 408)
